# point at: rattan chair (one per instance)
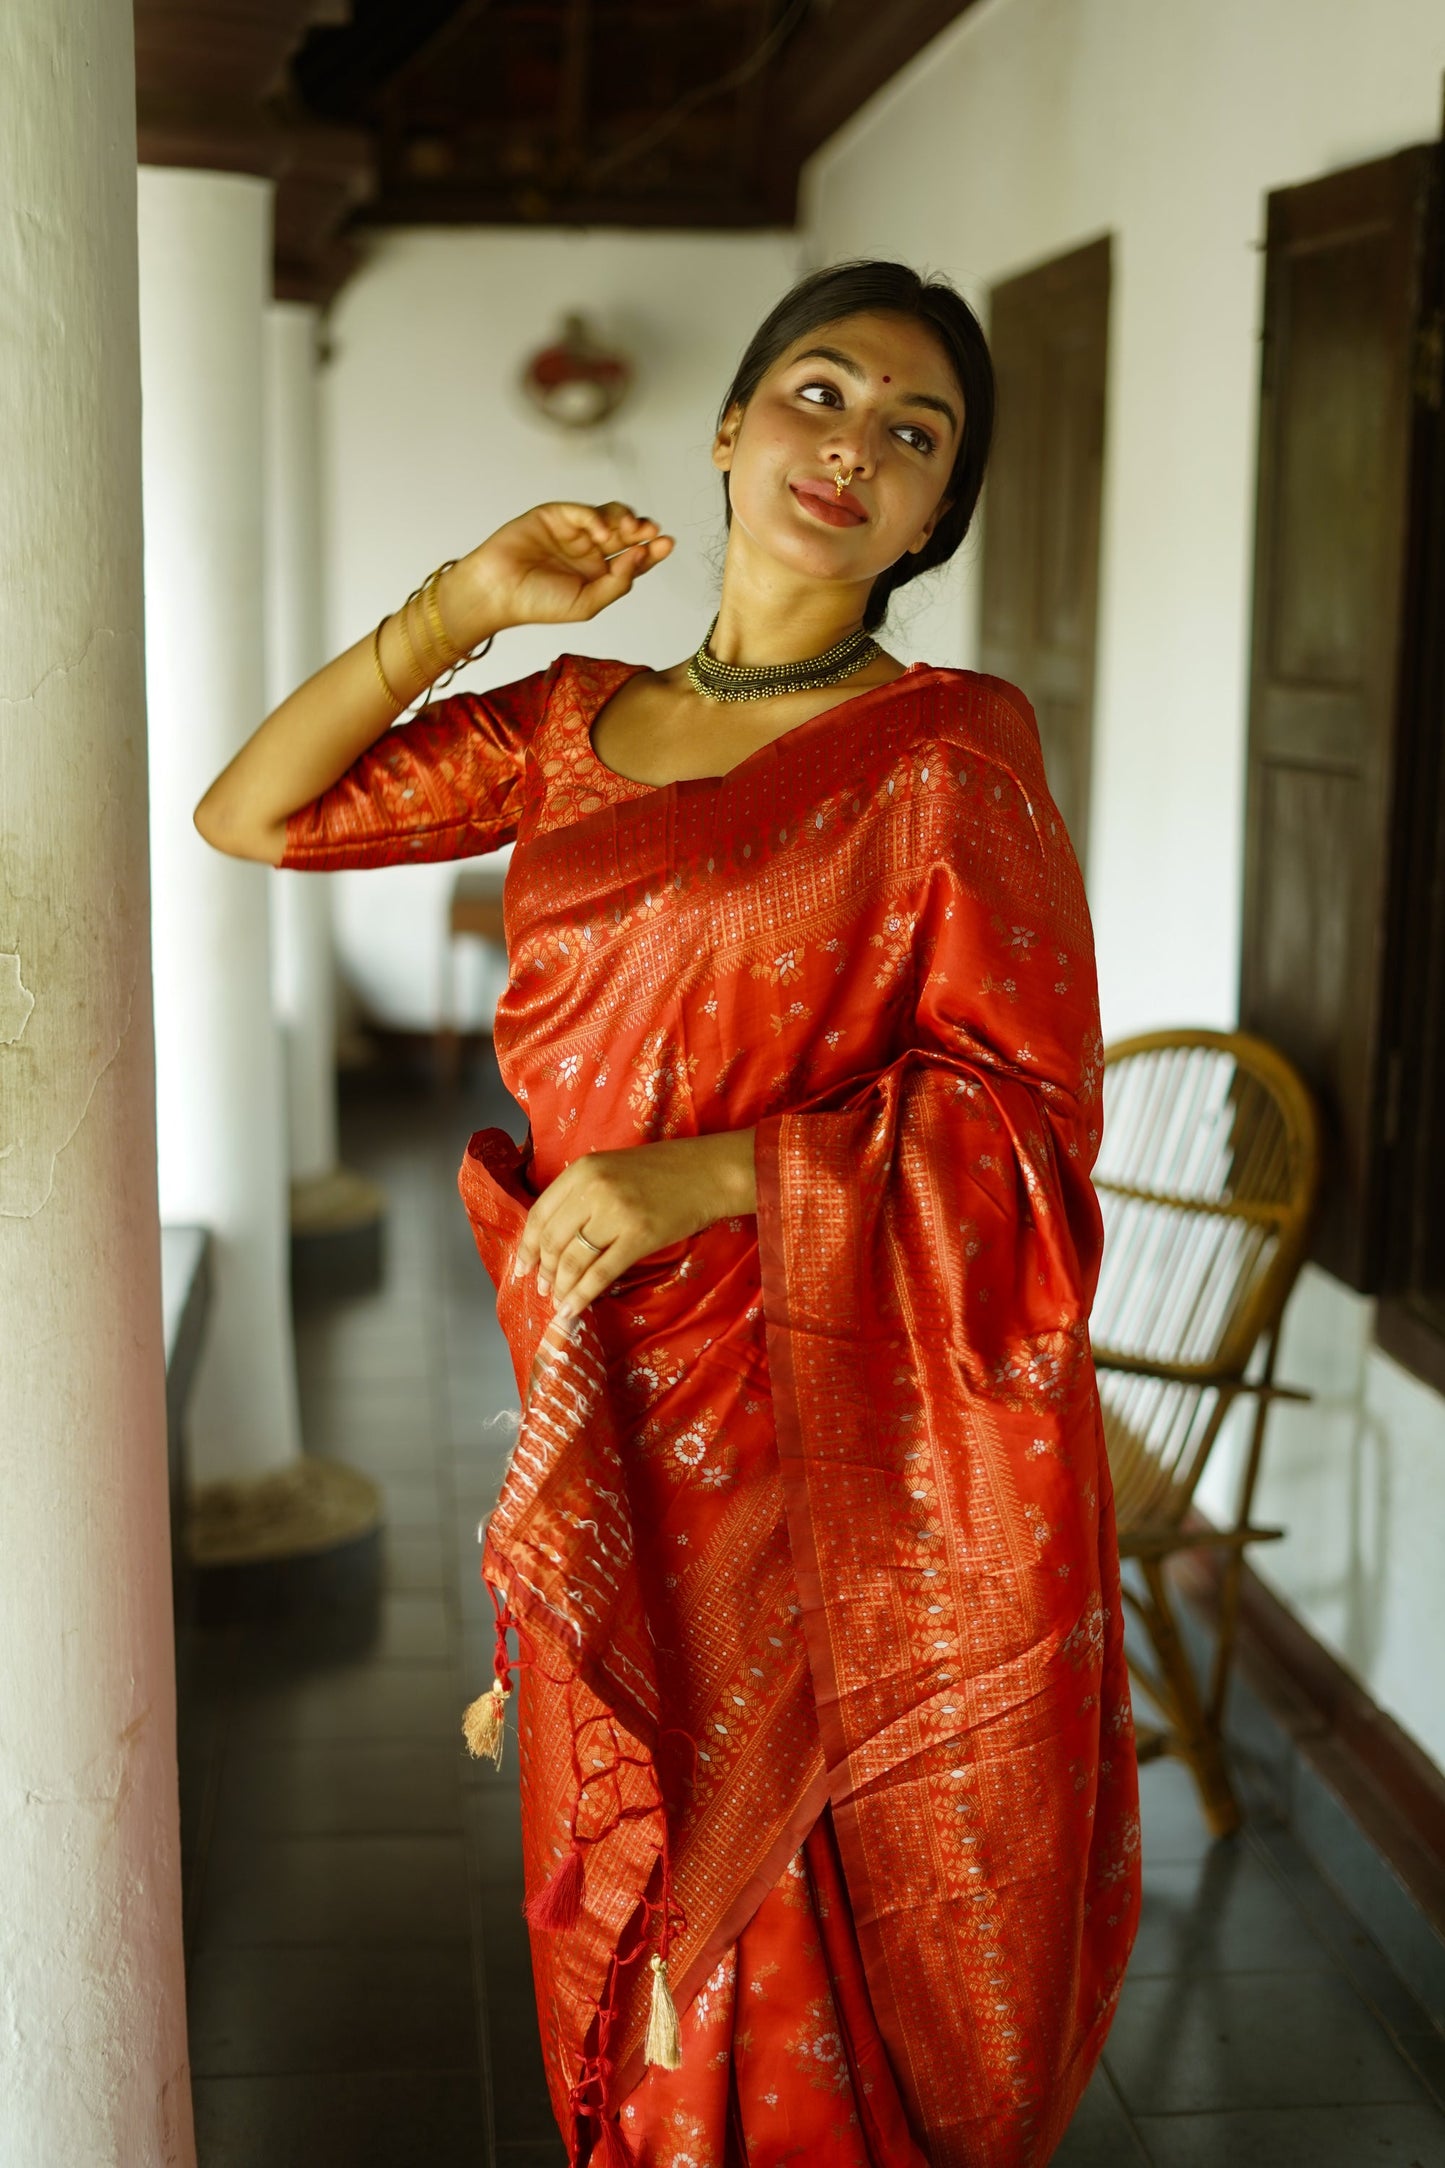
(1207, 1179)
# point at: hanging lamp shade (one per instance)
(578, 381)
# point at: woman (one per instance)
(807, 1537)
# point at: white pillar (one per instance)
(92, 2006)
(205, 256)
(303, 959)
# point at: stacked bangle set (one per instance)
(443, 653)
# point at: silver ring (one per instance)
(595, 1247)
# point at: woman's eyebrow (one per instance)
(843, 361)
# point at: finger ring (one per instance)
(596, 1247)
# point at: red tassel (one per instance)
(557, 1905)
(616, 2152)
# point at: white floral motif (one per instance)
(780, 970)
(896, 948)
(818, 2047)
(661, 1085)
(797, 1009)
(647, 1381)
(1043, 1367)
(1085, 1644)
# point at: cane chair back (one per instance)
(1206, 1180)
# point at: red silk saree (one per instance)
(807, 1536)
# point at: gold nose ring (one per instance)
(841, 480)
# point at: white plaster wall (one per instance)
(1032, 126)
(429, 446)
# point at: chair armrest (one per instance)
(1141, 1366)
(1156, 1542)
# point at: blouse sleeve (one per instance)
(446, 784)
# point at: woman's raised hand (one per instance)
(559, 564)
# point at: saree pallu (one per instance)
(807, 1534)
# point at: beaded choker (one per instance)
(761, 681)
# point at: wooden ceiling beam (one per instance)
(831, 68)
(572, 87)
(752, 97)
(210, 94)
(438, 204)
(425, 56)
(207, 72)
(327, 173)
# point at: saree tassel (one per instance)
(483, 1725)
(615, 2150)
(663, 2044)
(557, 1905)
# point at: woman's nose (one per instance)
(855, 447)
(848, 460)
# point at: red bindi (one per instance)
(888, 380)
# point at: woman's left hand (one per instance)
(630, 1204)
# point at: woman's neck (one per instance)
(769, 615)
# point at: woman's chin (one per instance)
(826, 554)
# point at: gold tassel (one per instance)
(483, 1726)
(663, 2044)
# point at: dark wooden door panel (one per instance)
(1336, 453)
(1337, 492)
(1314, 725)
(1072, 451)
(1410, 1321)
(1305, 962)
(1049, 333)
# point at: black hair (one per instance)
(865, 287)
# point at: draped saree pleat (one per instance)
(807, 1538)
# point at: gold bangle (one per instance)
(405, 615)
(457, 658)
(380, 669)
(440, 639)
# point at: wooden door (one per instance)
(1330, 660)
(1410, 1322)
(1048, 331)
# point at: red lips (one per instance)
(836, 508)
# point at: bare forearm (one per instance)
(319, 730)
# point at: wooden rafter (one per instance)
(833, 67)
(572, 88)
(638, 113)
(424, 57)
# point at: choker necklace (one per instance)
(761, 681)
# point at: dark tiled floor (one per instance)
(360, 1983)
